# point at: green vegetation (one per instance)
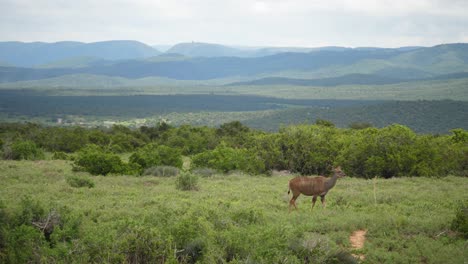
(460, 222)
(80, 181)
(187, 181)
(236, 219)
(96, 161)
(23, 150)
(225, 159)
(454, 89)
(392, 151)
(153, 155)
(421, 116)
(267, 113)
(180, 193)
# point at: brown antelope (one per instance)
(313, 186)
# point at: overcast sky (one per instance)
(309, 23)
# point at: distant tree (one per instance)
(232, 129)
(323, 122)
(459, 135)
(224, 158)
(155, 132)
(156, 155)
(191, 140)
(234, 134)
(310, 149)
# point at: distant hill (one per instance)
(75, 62)
(444, 58)
(205, 68)
(334, 81)
(197, 49)
(349, 79)
(37, 53)
(200, 49)
(391, 64)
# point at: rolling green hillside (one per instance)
(74, 62)
(392, 63)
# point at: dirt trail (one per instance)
(357, 240)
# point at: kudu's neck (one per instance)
(331, 181)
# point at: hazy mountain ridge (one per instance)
(37, 53)
(349, 79)
(391, 64)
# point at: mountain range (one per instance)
(326, 66)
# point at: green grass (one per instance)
(245, 218)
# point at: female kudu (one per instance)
(313, 186)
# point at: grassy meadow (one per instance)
(235, 218)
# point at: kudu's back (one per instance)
(307, 185)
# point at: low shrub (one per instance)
(32, 234)
(141, 244)
(79, 181)
(96, 161)
(225, 159)
(204, 172)
(156, 155)
(161, 171)
(460, 222)
(60, 155)
(187, 182)
(26, 150)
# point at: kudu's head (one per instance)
(339, 172)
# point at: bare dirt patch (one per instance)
(357, 239)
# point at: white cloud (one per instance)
(244, 22)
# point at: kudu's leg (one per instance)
(292, 202)
(314, 199)
(322, 198)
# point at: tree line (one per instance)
(362, 151)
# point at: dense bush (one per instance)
(156, 155)
(234, 133)
(96, 161)
(397, 151)
(225, 159)
(161, 171)
(140, 244)
(187, 181)
(27, 150)
(60, 155)
(32, 234)
(310, 149)
(460, 222)
(269, 149)
(63, 139)
(80, 181)
(191, 140)
(362, 151)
